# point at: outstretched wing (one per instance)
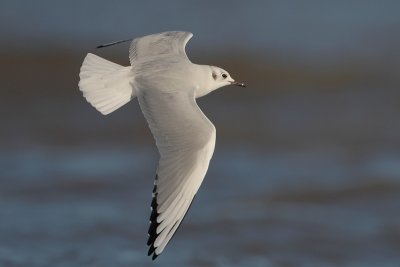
(160, 44)
(185, 139)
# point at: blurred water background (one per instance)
(306, 170)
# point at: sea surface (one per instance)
(308, 178)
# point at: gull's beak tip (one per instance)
(238, 84)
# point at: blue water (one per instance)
(313, 181)
(309, 29)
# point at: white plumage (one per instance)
(166, 84)
(105, 85)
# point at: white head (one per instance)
(216, 78)
(221, 77)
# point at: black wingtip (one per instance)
(114, 43)
(151, 250)
(153, 225)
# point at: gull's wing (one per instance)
(185, 139)
(160, 44)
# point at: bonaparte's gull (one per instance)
(166, 84)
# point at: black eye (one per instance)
(224, 75)
(214, 75)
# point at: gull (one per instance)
(166, 84)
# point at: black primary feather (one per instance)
(114, 43)
(153, 224)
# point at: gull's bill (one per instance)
(238, 84)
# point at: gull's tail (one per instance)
(105, 85)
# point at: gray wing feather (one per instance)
(157, 45)
(185, 139)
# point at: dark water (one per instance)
(308, 178)
(310, 30)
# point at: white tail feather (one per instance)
(105, 85)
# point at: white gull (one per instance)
(166, 84)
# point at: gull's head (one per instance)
(214, 78)
(220, 77)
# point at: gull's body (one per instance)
(166, 85)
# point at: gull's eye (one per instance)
(224, 75)
(214, 75)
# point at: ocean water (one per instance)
(309, 31)
(307, 178)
